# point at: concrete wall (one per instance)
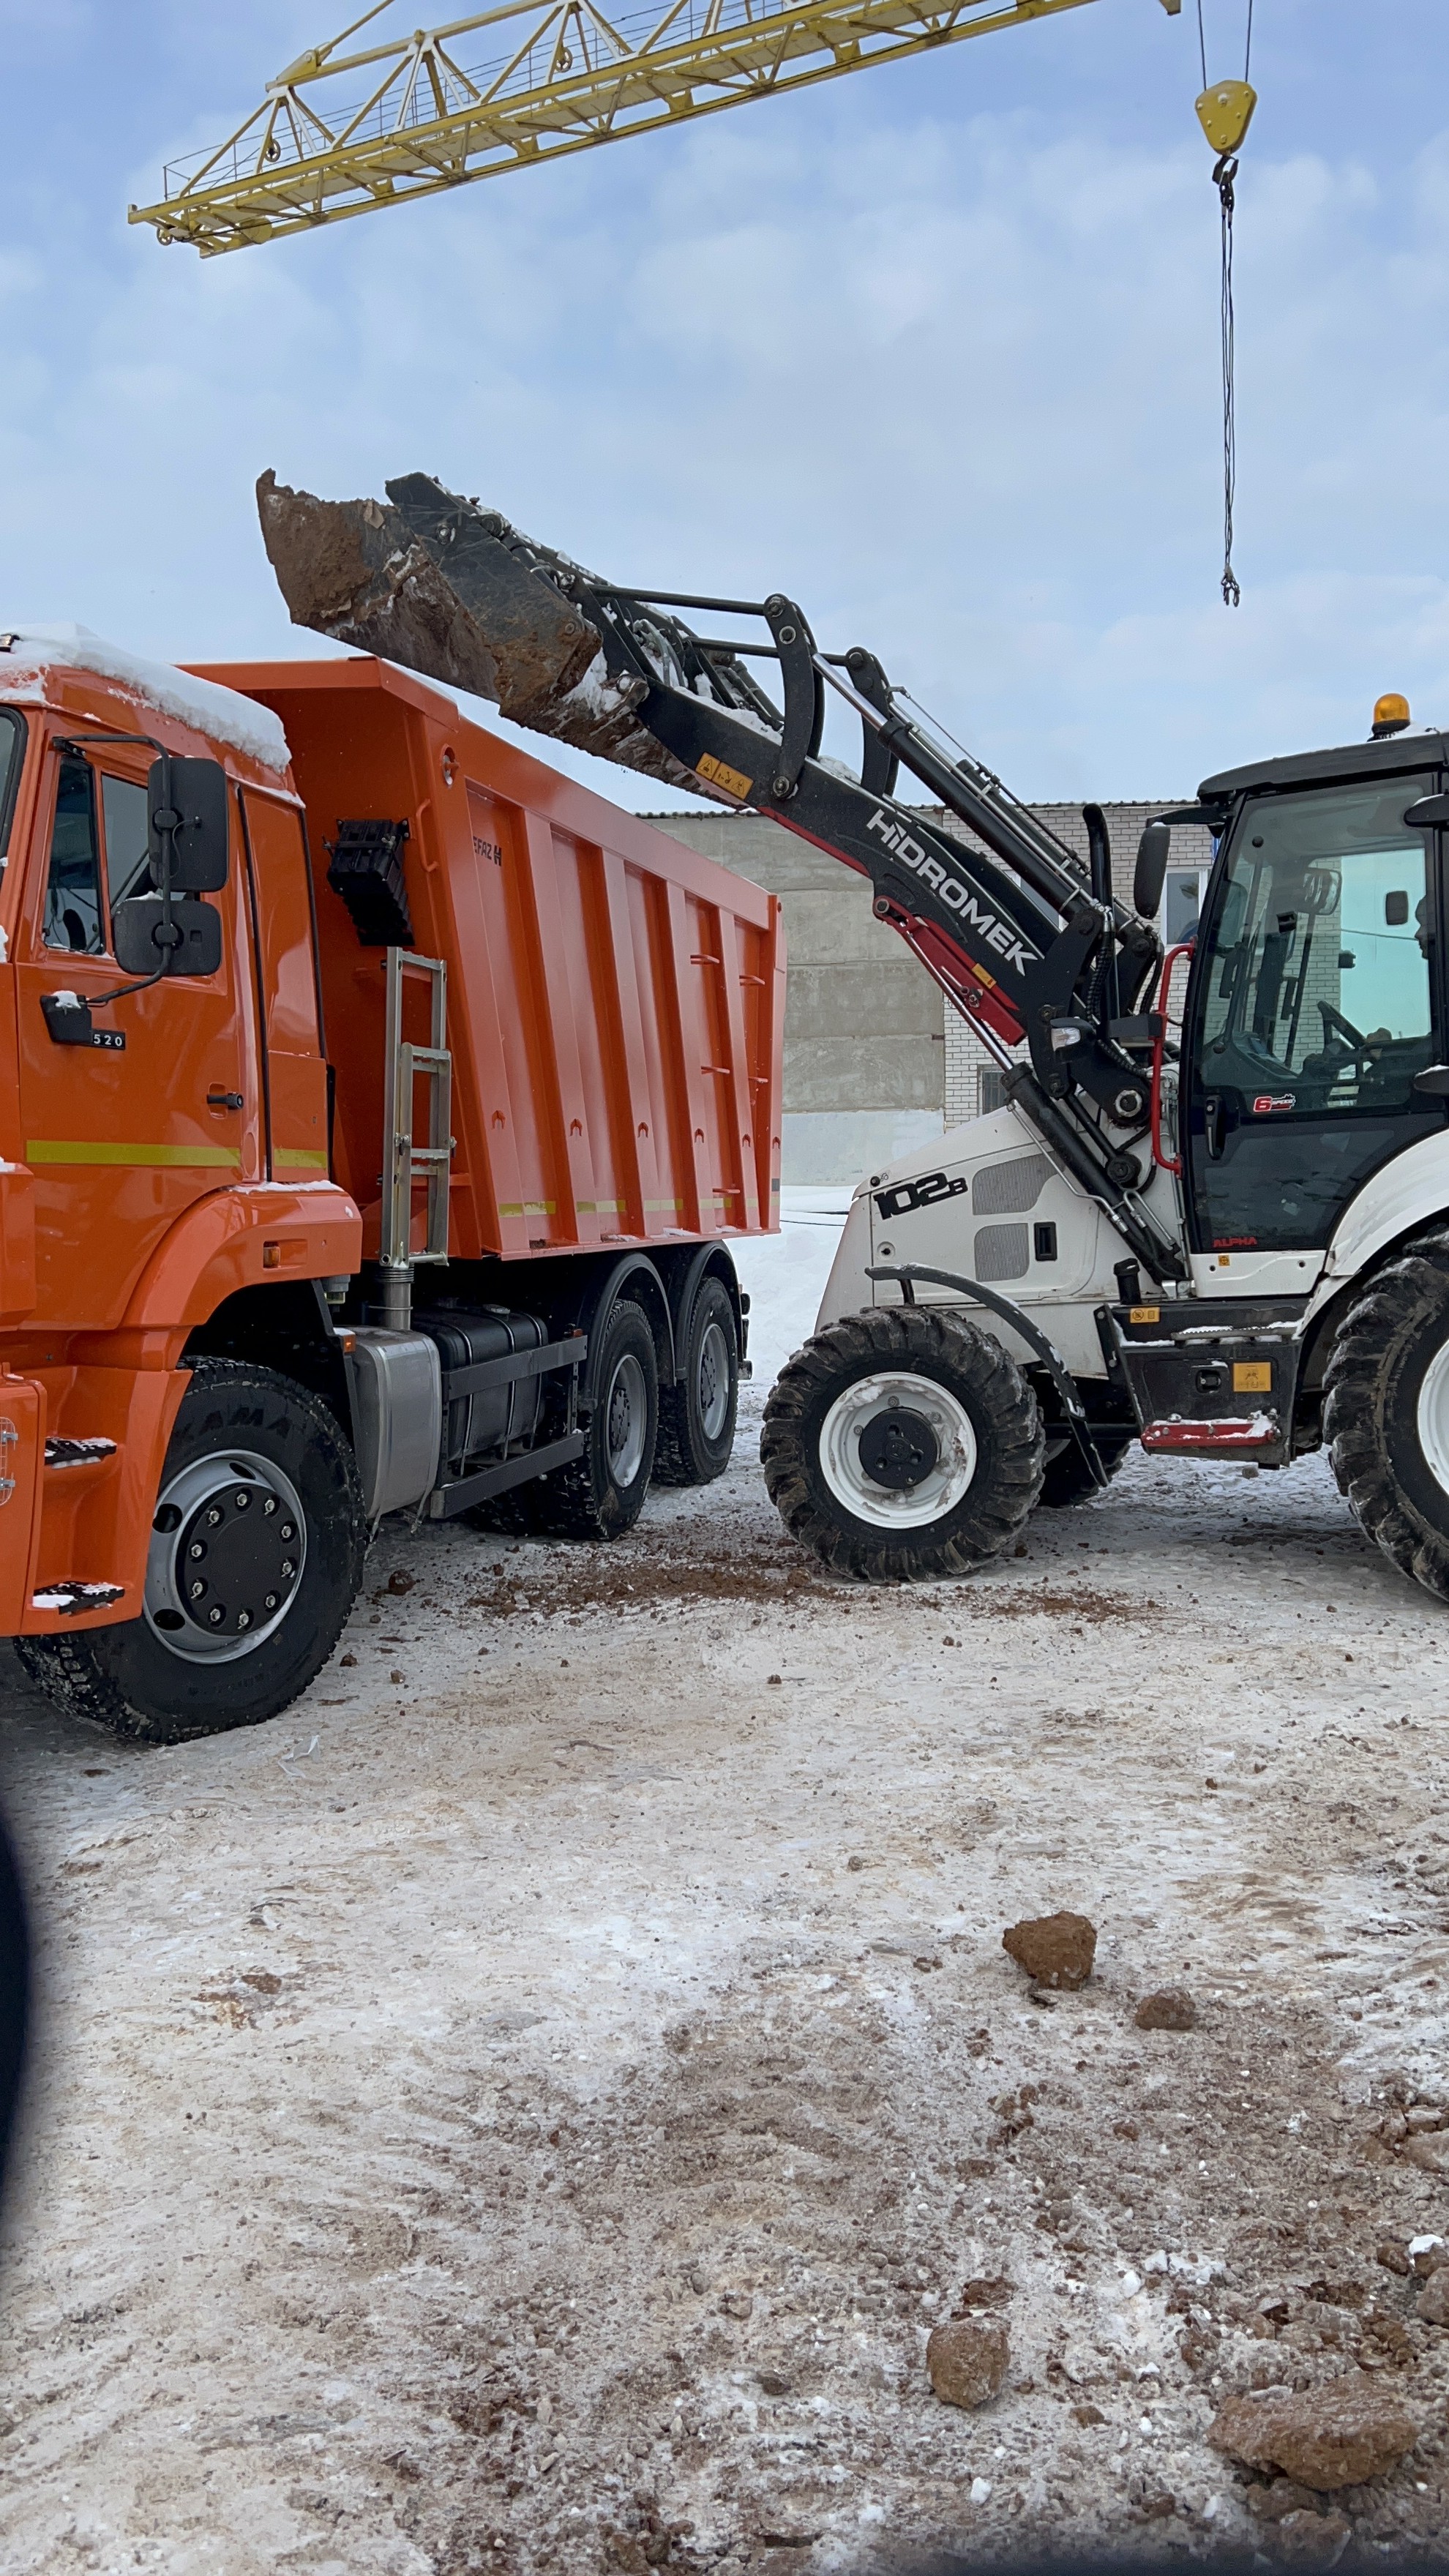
(876, 1061)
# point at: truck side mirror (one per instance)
(1151, 870)
(139, 935)
(188, 828)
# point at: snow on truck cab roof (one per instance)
(27, 652)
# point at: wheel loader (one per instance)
(1219, 1232)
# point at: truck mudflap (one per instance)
(22, 1454)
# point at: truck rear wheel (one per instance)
(697, 1417)
(256, 1556)
(902, 1442)
(1386, 1411)
(601, 1494)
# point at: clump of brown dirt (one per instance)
(967, 2359)
(1338, 2436)
(1055, 1949)
(1171, 2008)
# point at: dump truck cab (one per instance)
(163, 1143)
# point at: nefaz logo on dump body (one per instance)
(904, 1196)
(949, 890)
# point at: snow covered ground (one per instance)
(526, 2108)
(784, 1274)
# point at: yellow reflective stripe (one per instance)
(298, 1158)
(68, 1149)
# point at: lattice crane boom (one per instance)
(342, 133)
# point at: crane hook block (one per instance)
(1225, 113)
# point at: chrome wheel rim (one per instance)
(228, 1549)
(1433, 1417)
(627, 1420)
(868, 1404)
(713, 1381)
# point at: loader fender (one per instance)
(240, 1238)
(1410, 1192)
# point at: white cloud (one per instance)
(953, 382)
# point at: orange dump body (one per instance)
(615, 1004)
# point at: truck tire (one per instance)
(942, 1415)
(601, 1494)
(1386, 1411)
(260, 1478)
(697, 1417)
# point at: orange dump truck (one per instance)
(376, 1107)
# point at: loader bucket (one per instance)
(430, 580)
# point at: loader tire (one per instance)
(601, 1494)
(1386, 1411)
(271, 1606)
(902, 1442)
(697, 1417)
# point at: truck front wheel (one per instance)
(256, 1556)
(902, 1442)
(1386, 1411)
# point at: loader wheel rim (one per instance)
(893, 1419)
(713, 1381)
(627, 1421)
(1433, 1417)
(228, 1548)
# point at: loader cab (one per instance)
(1318, 994)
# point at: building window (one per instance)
(989, 1093)
(1181, 896)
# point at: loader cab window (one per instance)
(1319, 967)
(74, 918)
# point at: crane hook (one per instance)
(1225, 112)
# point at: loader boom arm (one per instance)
(1025, 941)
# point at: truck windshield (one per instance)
(12, 755)
(1319, 960)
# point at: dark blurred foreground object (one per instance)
(14, 1998)
(1233, 2559)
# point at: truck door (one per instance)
(121, 1138)
(1316, 999)
(294, 1071)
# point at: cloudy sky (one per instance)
(932, 348)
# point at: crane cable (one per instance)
(1224, 112)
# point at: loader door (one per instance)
(121, 1137)
(1316, 999)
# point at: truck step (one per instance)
(1224, 1431)
(77, 1453)
(70, 1597)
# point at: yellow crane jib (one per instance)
(341, 133)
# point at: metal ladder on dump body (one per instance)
(404, 1160)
